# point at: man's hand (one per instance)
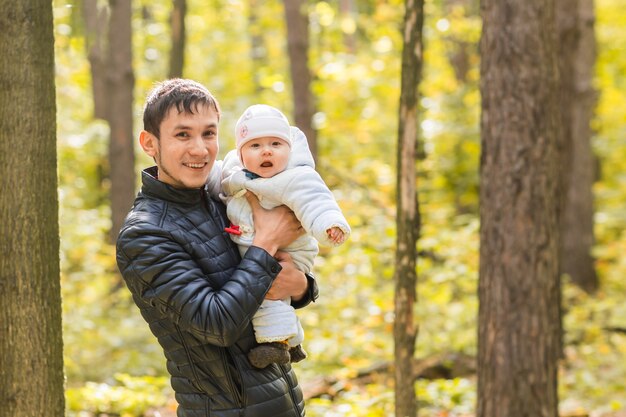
(290, 282)
(274, 229)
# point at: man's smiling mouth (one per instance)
(195, 165)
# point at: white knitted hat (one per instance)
(261, 120)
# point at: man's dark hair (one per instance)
(185, 95)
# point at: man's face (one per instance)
(187, 148)
(266, 156)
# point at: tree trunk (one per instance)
(459, 48)
(518, 336)
(577, 58)
(31, 345)
(258, 53)
(120, 83)
(407, 217)
(348, 16)
(177, 51)
(298, 49)
(95, 41)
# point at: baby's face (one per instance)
(266, 156)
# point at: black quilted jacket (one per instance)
(198, 297)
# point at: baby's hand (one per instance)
(335, 235)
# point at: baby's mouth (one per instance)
(266, 165)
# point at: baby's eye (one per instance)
(277, 143)
(254, 145)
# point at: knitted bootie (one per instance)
(267, 353)
(297, 354)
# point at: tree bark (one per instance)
(258, 52)
(459, 49)
(298, 49)
(407, 214)
(577, 58)
(518, 336)
(31, 345)
(96, 19)
(177, 51)
(120, 84)
(348, 12)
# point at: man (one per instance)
(186, 275)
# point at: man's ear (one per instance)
(148, 143)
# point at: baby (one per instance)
(273, 161)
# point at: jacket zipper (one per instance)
(240, 395)
(291, 394)
(196, 380)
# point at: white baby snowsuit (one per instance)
(300, 188)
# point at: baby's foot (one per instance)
(297, 353)
(267, 353)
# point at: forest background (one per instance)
(114, 365)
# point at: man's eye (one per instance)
(182, 134)
(209, 133)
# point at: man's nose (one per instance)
(197, 146)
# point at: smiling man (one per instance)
(186, 275)
(185, 144)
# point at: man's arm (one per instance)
(162, 275)
(291, 282)
(310, 295)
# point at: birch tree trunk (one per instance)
(518, 337)
(407, 217)
(31, 345)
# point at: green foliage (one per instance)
(370, 401)
(127, 397)
(357, 91)
(610, 121)
(447, 397)
(595, 342)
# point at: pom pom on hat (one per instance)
(261, 120)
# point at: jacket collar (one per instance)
(152, 187)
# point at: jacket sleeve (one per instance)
(161, 274)
(311, 294)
